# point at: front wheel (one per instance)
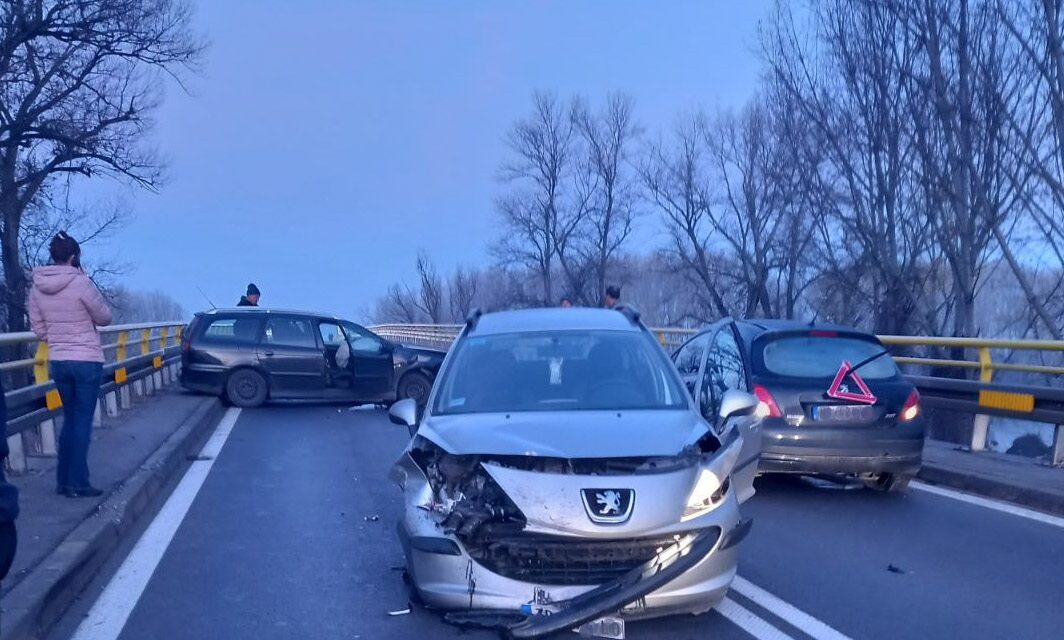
(415, 386)
(888, 482)
(246, 388)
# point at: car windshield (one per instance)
(558, 371)
(821, 357)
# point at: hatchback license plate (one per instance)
(609, 627)
(844, 413)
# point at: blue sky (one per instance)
(325, 142)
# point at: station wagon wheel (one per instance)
(246, 388)
(888, 482)
(415, 386)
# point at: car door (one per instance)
(292, 357)
(725, 369)
(372, 365)
(339, 381)
(688, 360)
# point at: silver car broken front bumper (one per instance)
(447, 576)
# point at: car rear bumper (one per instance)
(203, 380)
(841, 449)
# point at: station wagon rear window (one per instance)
(810, 356)
(243, 330)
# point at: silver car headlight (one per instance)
(706, 493)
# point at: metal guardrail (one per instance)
(139, 358)
(982, 398)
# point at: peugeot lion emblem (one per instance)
(608, 506)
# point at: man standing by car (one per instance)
(251, 298)
(613, 296)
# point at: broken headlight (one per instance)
(712, 479)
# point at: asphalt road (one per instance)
(291, 535)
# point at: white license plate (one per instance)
(844, 413)
(608, 627)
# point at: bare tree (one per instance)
(851, 86)
(675, 181)
(79, 86)
(430, 292)
(399, 305)
(535, 217)
(463, 292)
(608, 139)
(968, 78)
(1038, 30)
(144, 306)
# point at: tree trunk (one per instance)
(14, 275)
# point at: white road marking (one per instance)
(996, 505)
(109, 614)
(749, 622)
(793, 615)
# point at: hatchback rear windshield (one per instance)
(806, 356)
(558, 371)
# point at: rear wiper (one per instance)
(869, 359)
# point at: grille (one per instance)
(550, 560)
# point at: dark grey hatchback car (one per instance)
(832, 399)
(249, 355)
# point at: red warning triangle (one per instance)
(840, 391)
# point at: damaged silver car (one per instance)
(561, 477)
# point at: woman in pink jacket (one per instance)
(65, 309)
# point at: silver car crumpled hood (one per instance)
(568, 434)
(553, 504)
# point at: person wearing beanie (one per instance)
(251, 298)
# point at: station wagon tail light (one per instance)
(911, 408)
(767, 407)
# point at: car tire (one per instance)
(889, 482)
(246, 388)
(416, 386)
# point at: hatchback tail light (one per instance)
(911, 408)
(767, 407)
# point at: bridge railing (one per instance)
(982, 398)
(140, 358)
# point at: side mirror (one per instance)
(737, 403)
(404, 413)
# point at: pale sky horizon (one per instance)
(324, 143)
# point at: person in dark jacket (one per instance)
(251, 298)
(612, 297)
(8, 502)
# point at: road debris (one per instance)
(400, 612)
(373, 518)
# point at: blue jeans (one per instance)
(78, 383)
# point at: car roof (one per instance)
(268, 311)
(553, 319)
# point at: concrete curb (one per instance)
(43, 596)
(1047, 501)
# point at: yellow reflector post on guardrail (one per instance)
(1022, 402)
(40, 376)
(157, 362)
(121, 376)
